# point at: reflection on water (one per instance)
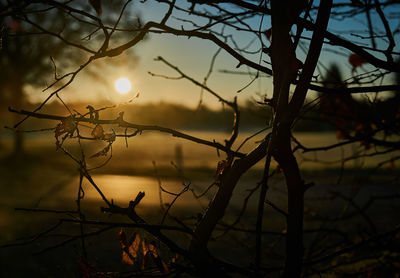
(122, 189)
(52, 195)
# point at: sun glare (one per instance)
(123, 85)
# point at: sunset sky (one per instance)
(193, 57)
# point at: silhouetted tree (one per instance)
(279, 43)
(34, 49)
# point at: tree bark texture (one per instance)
(283, 58)
(217, 207)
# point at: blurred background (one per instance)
(36, 176)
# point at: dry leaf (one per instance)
(296, 65)
(87, 270)
(59, 130)
(356, 61)
(174, 259)
(14, 25)
(165, 269)
(220, 169)
(134, 247)
(268, 33)
(110, 137)
(126, 258)
(129, 254)
(96, 4)
(122, 238)
(103, 152)
(69, 124)
(67, 127)
(162, 266)
(145, 252)
(98, 132)
(152, 250)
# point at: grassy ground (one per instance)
(44, 178)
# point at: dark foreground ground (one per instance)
(343, 209)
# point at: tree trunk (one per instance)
(282, 57)
(217, 207)
(295, 188)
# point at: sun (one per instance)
(123, 85)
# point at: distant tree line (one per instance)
(204, 118)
